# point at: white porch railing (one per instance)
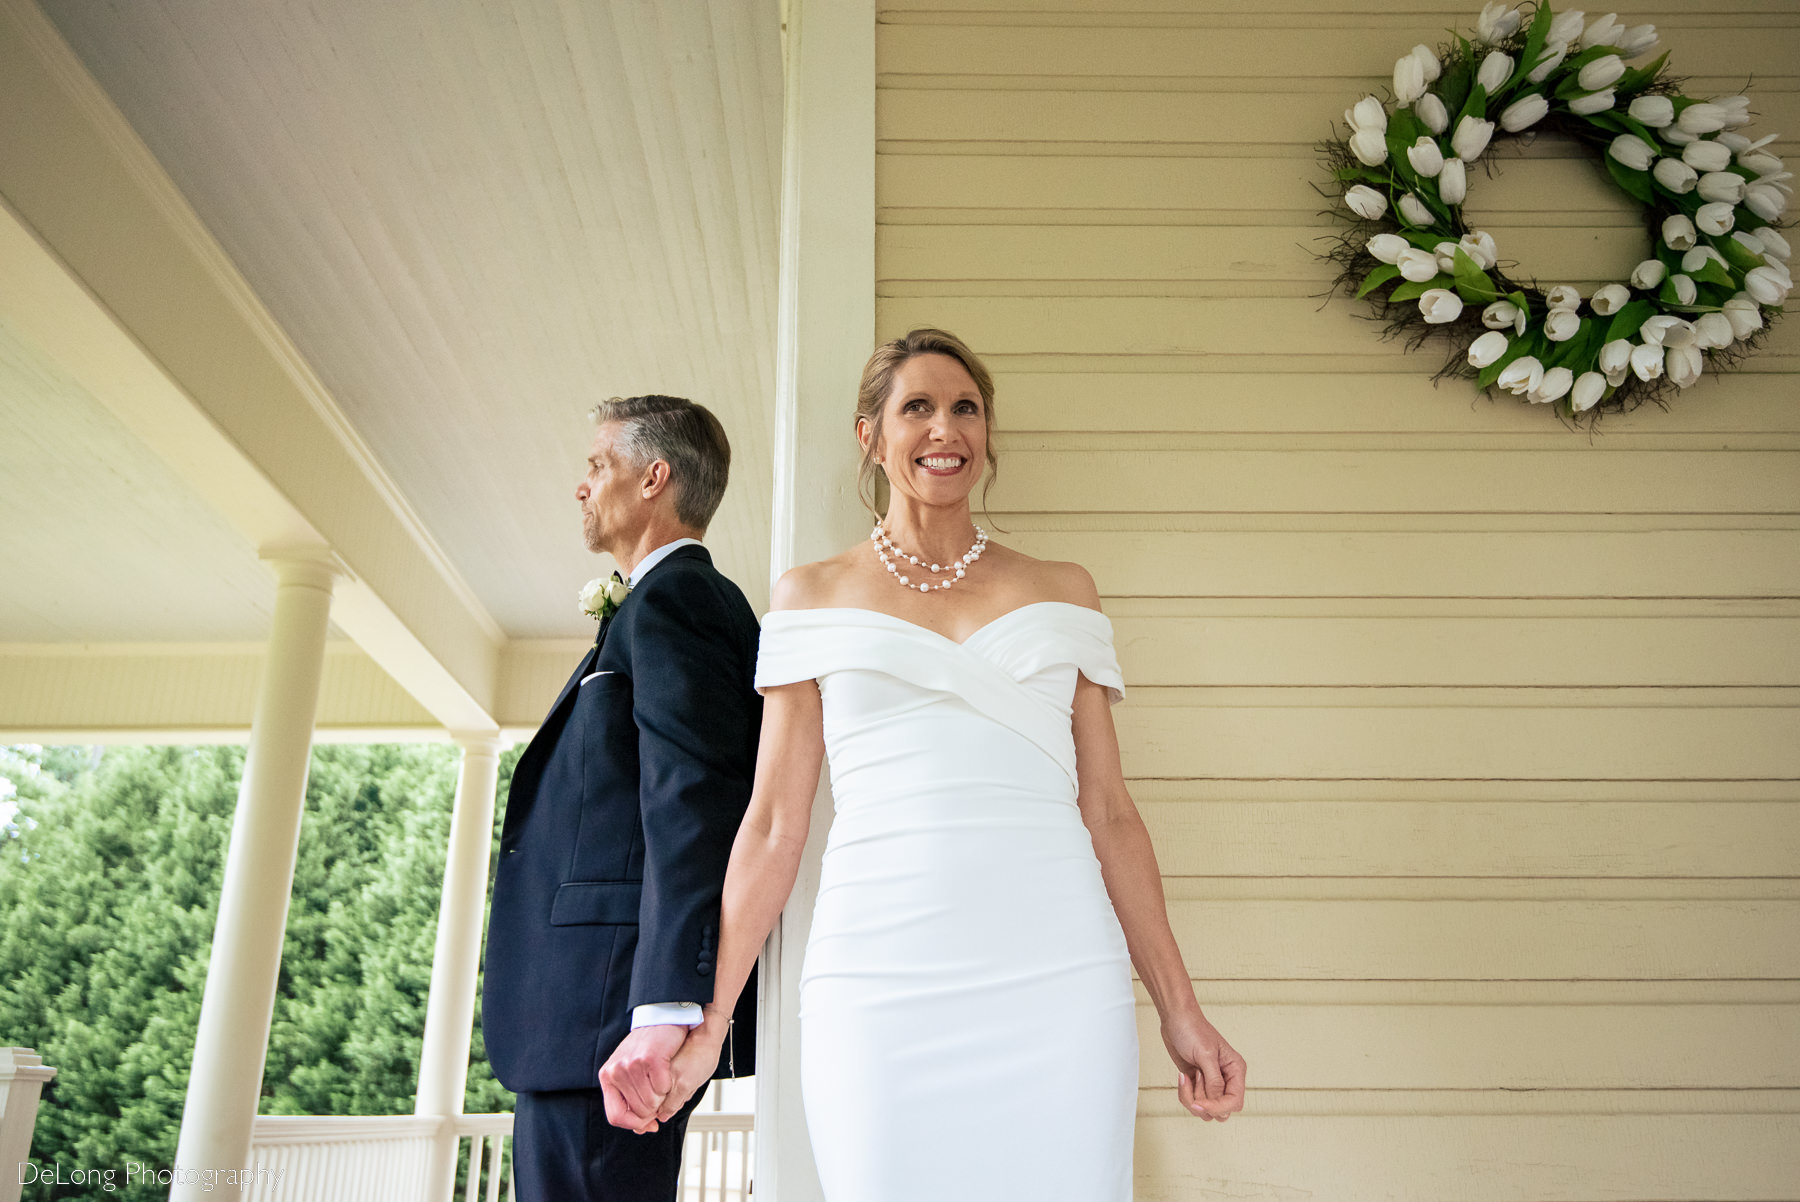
(386, 1159)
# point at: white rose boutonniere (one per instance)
(602, 596)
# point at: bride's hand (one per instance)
(693, 1066)
(1212, 1072)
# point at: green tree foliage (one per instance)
(109, 881)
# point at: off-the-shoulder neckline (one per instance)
(977, 632)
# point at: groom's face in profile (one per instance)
(611, 496)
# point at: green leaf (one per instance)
(1414, 289)
(1636, 79)
(1475, 106)
(1639, 184)
(1453, 85)
(1472, 283)
(1376, 278)
(1629, 320)
(1533, 52)
(1736, 253)
(1714, 272)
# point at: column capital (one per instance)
(478, 742)
(304, 564)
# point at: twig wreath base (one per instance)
(1712, 198)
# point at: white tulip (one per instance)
(1609, 299)
(1418, 265)
(1745, 316)
(1766, 201)
(1713, 330)
(1727, 186)
(1675, 175)
(1560, 325)
(1414, 212)
(1648, 274)
(1737, 142)
(1453, 182)
(1702, 118)
(1498, 21)
(1366, 202)
(1554, 54)
(1589, 387)
(1762, 164)
(1563, 296)
(1766, 287)
(1521, 375)
(1654, 111)
(1632, 151)
(1603, 31)
(1553, 387)
(1674, 135)
(1677, 231)
(1367, 114)
(1426, 158)
(1615, 360)
(1567, 26)
(1704, 155)
(1428, 62)
(1387, 247)
(1596, 102)
(1685, 291)
(1369, 146)
(1500, 315)
(1440, 306)
(1430, 109)
(1602, 72)
(1737, 110)
(1524, 113)
(1409, 79)
(1479, 246)
(1773, 243)
(1647, 361)
(1695, 260)
(1683, 365)
(1495, 70)
(1637, 40)
(1659, 328)
(1471, 137)
(1487, 349)
(1715, 219)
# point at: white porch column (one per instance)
(259, 875)
(23, 1075)
(450, 1009)
(825, 331)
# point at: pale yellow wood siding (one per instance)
(1470, 744)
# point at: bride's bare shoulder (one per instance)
(814, 585)
(1054, 580)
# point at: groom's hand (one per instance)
(637, 1076)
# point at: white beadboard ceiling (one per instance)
(475, 219)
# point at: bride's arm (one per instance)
(765, 859)
(1212, 1073)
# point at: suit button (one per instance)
(703, 969)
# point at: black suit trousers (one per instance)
(564, 1149)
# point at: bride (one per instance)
(966, 1010)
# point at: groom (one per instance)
(605, 919)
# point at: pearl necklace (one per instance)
(884, 544)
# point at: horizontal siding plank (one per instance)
(1267, 117)
(1419, 563)
(1406, 401)
(1281, 328)
(1458, 840)
(1478, 1047)
(1488, 940)
(1424, 481)
(1331, 46)
(1470, 1158)
(1494, 651)
(1454, 734)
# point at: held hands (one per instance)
(1212, 1072)
(654, 1071)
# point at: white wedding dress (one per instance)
(966, 1012)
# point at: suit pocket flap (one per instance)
(605, 902)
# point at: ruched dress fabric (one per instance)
(967, 1023)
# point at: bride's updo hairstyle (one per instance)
(878, 381)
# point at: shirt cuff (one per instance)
(666, 1014)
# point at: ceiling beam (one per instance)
(105, 266)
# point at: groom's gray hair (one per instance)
(683, 435)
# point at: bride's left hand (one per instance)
(1212, 1072)
(692, 1068)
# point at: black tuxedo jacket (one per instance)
(618, 827)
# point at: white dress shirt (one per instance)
(654, 1014)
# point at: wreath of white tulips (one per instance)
(1712, 197)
